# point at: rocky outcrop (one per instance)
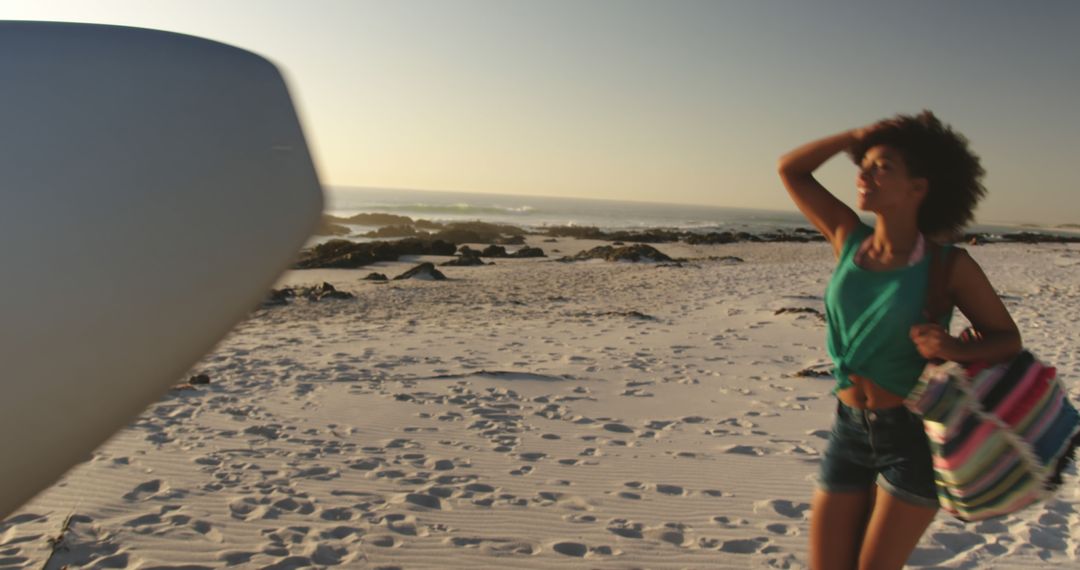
(635, 253)
(493, 251)
(344, 254)
(579, 232)
(466, 257)
(317, 293)
(376, 219)
(396, 230)
(1036, 237)
(425, 271)
(477, 232)
(528, 252)
(328, 228)
(661, 235)
(511, 240)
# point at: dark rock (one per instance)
(494, 251)
(580, 232)
(199, 379)
(466, 251)
(325, 291)
(636, 252)
(329, 228)
(476, 232)
(815, 372)
(809, 310)
(1035, 237)
(727, 259)
(648, 236)
(377, 219)
(397, 230)
(375, 277)
(468, 256)
(551, 240)
(279, 297)
(711, 238)
(528, 252)
(440, 247)
(317, 293)
(511, 240)
(344, 254)
(463, 261)
(660, 235)
(630, 314)
(618, 243)
(428, 225)
(425, 271)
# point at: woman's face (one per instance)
(884, 184)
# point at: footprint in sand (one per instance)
(730, 522)
(496, 546)
(154, 489)
(782, 529)
(783, 508)
(425, 500)
(248, 508)
(383, 541)
(957, 542)
(746, 450)
(744, 545)
(509, 547)
(626, 528)
(581, 550)
(672, 533)
(236, 557)
(299, 506)
(337, 514)
(402, 524)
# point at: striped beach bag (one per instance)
(1001, 435)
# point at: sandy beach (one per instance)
(526, 414)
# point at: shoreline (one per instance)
(389, 242)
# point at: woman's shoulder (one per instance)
(961, 268)
(850, 237)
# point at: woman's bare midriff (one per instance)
(864, 394)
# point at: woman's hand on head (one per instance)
(933, 341)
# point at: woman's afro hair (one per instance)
(932, 150)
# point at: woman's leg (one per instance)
(837, 522)
(894, 530)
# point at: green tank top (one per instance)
(869, 315)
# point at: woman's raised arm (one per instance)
(830, 216)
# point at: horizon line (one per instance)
(1063, 225)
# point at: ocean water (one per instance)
(537, 212)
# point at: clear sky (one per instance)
(671, 101)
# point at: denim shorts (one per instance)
(887, 447)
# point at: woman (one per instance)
(876, 492)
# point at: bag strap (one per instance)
(938, 303)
